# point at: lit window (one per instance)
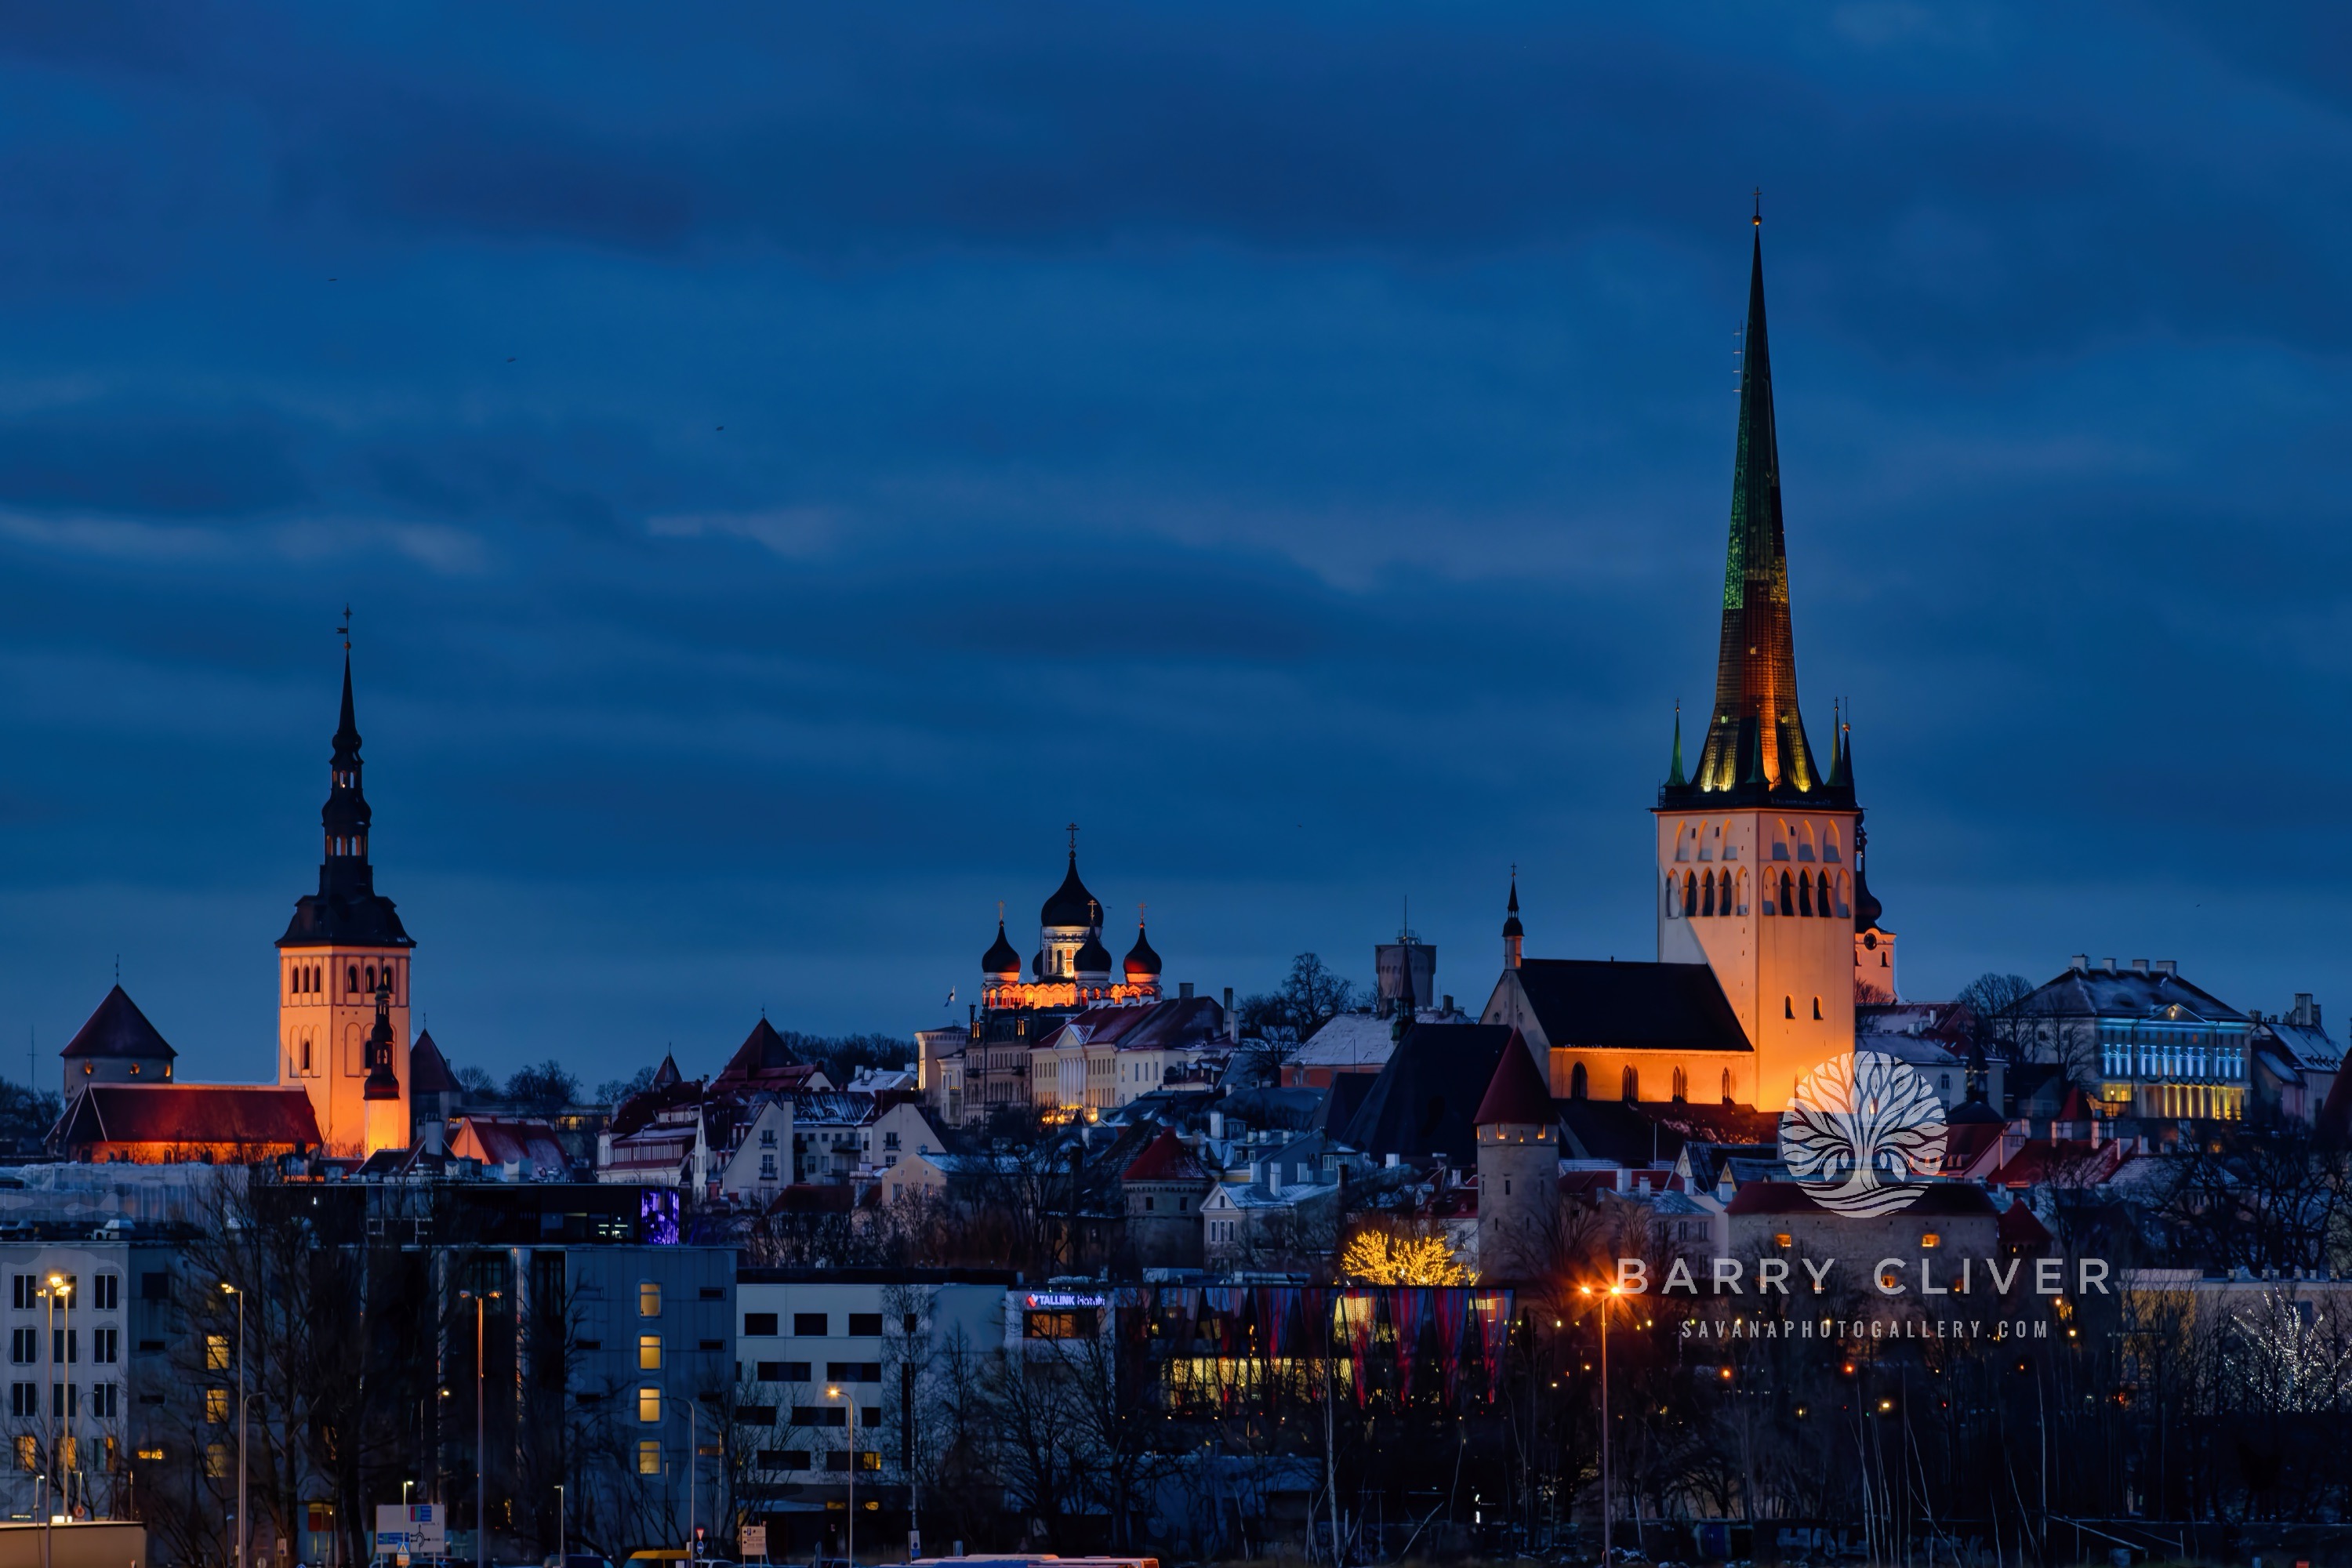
(649, 1404)
(216, 1352)
(217, 1461)
(650, 1458)
(1781, 1240)
(29, 1453)
(648, 1352)
(216, 1406)
(1931, 1239)
(649, 1300)
(152, 1456)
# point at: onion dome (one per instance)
(1071, 904)
(1093, 961)
(1000, 962)
(1142, 963)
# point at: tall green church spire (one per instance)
(1756, 665)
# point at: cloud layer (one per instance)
(785, 465)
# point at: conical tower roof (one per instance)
(1517, 1093)
(1756, 744)
(118, 1029)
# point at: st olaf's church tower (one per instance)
(1757, 869)
(342, 980)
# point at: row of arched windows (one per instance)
(1807, 893)
(348, 845)
(1629, 1084)
(359, 980)
(1711, 893)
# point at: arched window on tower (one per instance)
(1576, 1083)
(1787, 1006)
(1817, 1009)
(1706, 897)
(1805, 895)
(1723, 894)
(1786, 907)
(1727, 1086)
(1682, 1085)
(1690, 893)
(1632, 1085)
(352, 980)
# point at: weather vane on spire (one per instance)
(1073, 837)
(344, 631)
(1759, 206)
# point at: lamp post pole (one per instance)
(481, 1451)
(1605, 1299)
(849, 1417)
(243, 1539)
(72, 1451)
(48, 1437)
(560, 1559)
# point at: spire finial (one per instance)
(1759, 206)
(344, 630)
(1074, 839)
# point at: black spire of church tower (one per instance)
(344, 867)
(347, 908)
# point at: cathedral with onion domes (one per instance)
(1073, 1029)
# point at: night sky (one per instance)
(785, 462)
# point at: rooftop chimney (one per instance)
(2080, 963)
(2109, 964)
(1184, 990)
(2167, 966)
(2139, 966)
(2306, 1013)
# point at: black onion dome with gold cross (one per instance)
(1756, 751)
(346, 911)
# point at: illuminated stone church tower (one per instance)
(1756, 845)
(343, 976)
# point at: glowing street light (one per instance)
(1605, 1295)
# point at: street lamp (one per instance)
(242, 1537)
(560, 1561)
(481, 1453)
(849, 1408)
(1607, 1297)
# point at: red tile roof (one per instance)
(189, 1115)
(1517, 1093)
(511, 1139)
(118, 1028)
(1164, 1159)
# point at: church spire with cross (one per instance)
(1756, 743)
(343, 968)
(1755, 845)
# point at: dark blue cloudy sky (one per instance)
(1293, 442)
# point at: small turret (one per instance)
(1513, 936)
(1519, 1169)
(387, 1116)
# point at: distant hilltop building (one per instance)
(1071, 966)
(1079, 1031)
